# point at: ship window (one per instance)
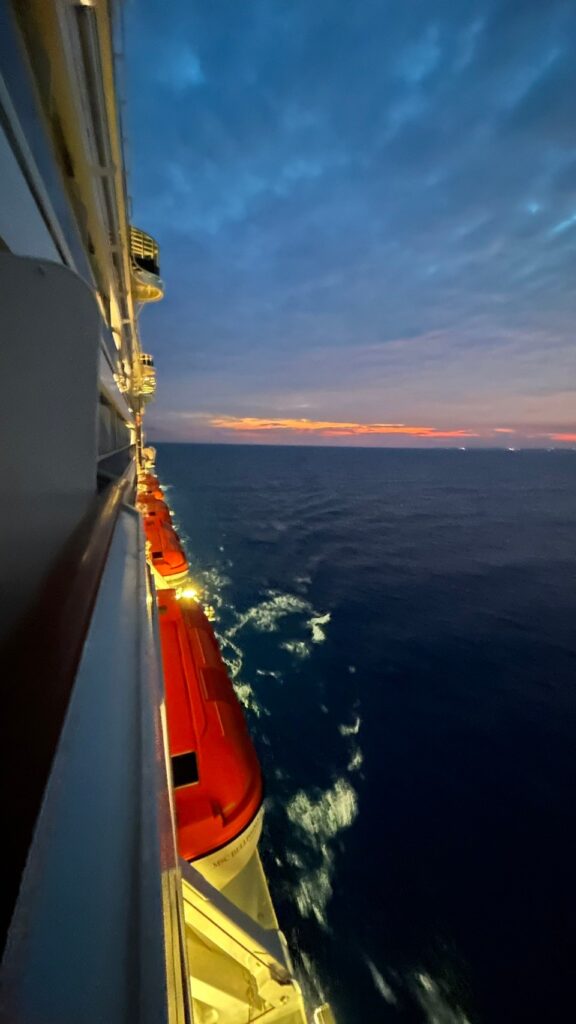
(184, 769)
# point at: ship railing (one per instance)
(97, 930)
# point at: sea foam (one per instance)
(319, 817)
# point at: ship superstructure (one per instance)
(103, 918)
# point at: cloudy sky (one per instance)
(367, 218)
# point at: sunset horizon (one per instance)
(304, 432)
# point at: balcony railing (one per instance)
(147, 375)
(145, 253)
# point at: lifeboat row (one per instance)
(165, 550)
(216, 776)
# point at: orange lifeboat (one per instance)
(149, 484)
(149, 505)
(166, 553)
(216, 775)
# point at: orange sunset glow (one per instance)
(331, 428)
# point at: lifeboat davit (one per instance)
(166, 552)
(216, 774)
(149, 458)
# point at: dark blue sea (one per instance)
(401, 626)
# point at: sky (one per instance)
(367, 218)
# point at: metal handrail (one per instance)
(39, 663)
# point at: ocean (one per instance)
(400, 625)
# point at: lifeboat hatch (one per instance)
(184, 769)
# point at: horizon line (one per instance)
(566, 447)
